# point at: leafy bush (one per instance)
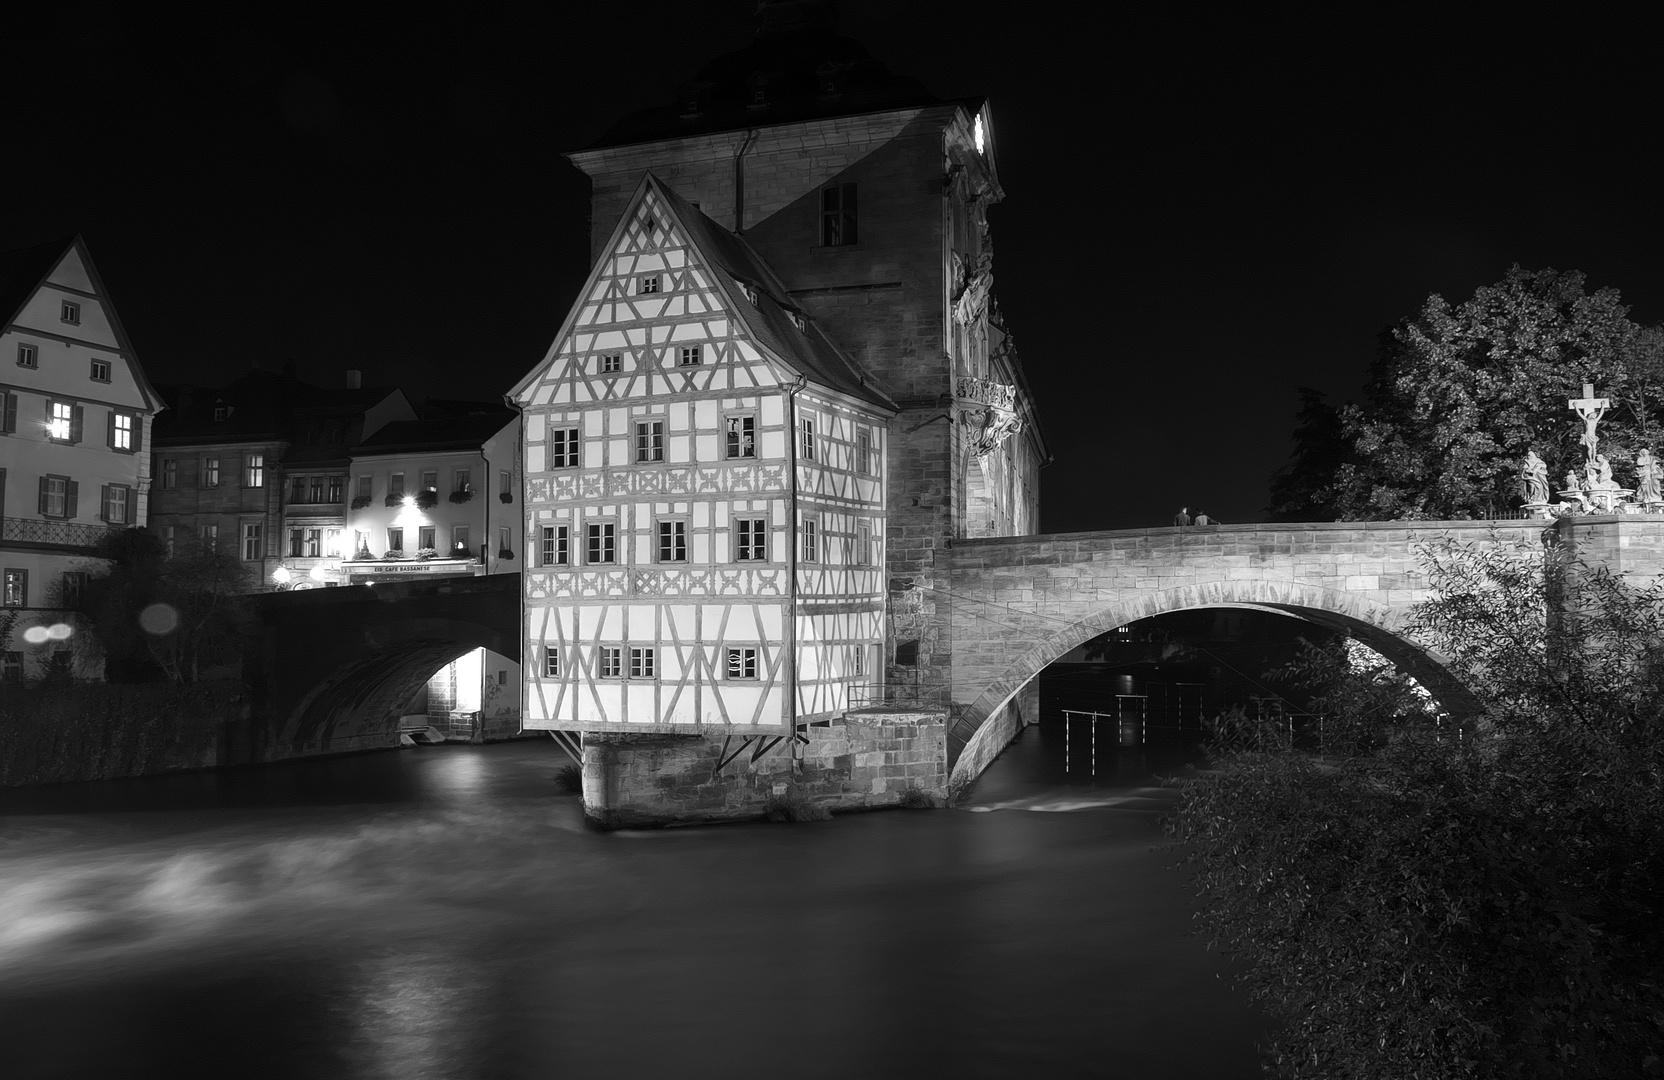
(569, 780)
(427, 499)
(1418, 899)
(504, 553)
(393, 499)
(359, 502)
(505, 496)
(460, 497)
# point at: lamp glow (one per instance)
(281, 575)
(318, 572)
(60, 631)
(977, 134)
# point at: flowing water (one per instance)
(441, 912)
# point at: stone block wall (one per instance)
(869, 759)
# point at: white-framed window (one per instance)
(336, 483)
(210, 472)
(315, 489)
(123, 431)
(297, 542)
(863, 453)
(810, 534)
(505, 484)
(430, 480)
(70, 313)
(563, 448)
(459, 542)
(14, 588)
(751, 539)
(252, 547)
(395, 539)
(611, 662)
(806, 438)
(837, 215)
(648, 283)
(863, 544)
(859, 667)
(100, 371)
(297, 489)
(332, 543)
(643, 661)
(551, 662)
(254, 470)
(611, 363)
(170, 473)
(395, 483)
(673, 541)
(366, 485)
(63, 421)
(57, 497)
(602, 542)
(742, 663)
(426, 536)
(118, 504)
(691, 356)
(741, 436)
(505, 542)
(462, 480)
(552, 546)
(28, 356)
(650, 441)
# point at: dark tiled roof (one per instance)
(790, 67)
(444, 433)
(809, 351)
(22, 271)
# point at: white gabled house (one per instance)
(705, 496)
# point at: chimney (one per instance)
(355, 379)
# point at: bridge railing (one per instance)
(55, 533)
(896, 695)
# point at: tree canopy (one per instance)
(1459, 392)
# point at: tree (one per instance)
(1425, 900)
(125, 581)
(1458, 393)
(1304, 490)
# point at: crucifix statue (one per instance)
(1591, 409)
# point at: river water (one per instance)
(440, 913)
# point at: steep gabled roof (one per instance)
(445, 433)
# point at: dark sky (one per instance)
(1203, 212)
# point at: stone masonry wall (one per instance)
(869, 759)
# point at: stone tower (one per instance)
(868, 197)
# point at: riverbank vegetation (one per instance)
(1417, 897)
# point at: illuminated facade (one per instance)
(75, 430)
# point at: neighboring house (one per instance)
(75, 431)
(440, 498)
(259, 468)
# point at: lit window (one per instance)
(648, 284)
(254, 470)
(28, 356)
(332, 543)
(650, 441)
(121, 431)
(60, 421)
(71, 313)
(978, 134)
(335, 485)
(315, 543)
(563, 448)
(395, 540)
(315, 489)
(170, 472)
(612, 666)
(57, 497)
(742, 437)
(14, 588)
(602, 545)
(642, 662)
(253, 549)
(837, 215)
(553, 546)
(751, 539)
(461, 480)
(551, 662)
(742, 663)
(806, 438)
(100, 371)
(612, 362)
(673, 541)
(459, 543)
(430, 480)
(690, 356)
(117, 499)
(211, 472)
(810, 531)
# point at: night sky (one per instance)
(1202, 212)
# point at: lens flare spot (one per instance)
(60, 631)
(159, 619)
(35, 635)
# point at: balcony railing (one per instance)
(65, 534)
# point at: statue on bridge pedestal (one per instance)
(1534, 480)
(1647, 486)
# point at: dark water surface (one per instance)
(441, 913)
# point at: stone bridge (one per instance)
(330, 668)
(1013, 605)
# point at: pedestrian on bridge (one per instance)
(1182, 518)
(1203, 519)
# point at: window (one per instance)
(71, 313)
(552, 548)
(297, 542)
(335, 484)
(315, 542)
(63, 421)
(11, 666)
(648, 284)
(690, 356)
(837, 215)
(611, 662)
(395, 484)
(117, 504)
(297, 489)
(810, 529)
(742, 436)
(14, 588)
(254, 470)
(395, 540)
(8, 412)
(806, 438)
(365, 486)
(211, 472)
(602, 546)
(462, 480)
(642, 662)
(505, 540)
(563, 448)
(863, 453)
(459, 542)
(430, 480)
(167, 539)
(69, 593)
(505, 483)
(425, 537)
(170, 472)
(332, 543)
(673, 541)
(57, 497)
(124, 432)
(742, 663)
(650, 441)
(751, 539)
(28, 356)
(100, 371)
(860, 666)
(221, 413)
(209, 535)
(253, 549)
(315, 489)
(551, 662)
(612, 362)
(863, 544)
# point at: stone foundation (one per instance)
(868, 759)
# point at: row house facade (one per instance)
(75, 432)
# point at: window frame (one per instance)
(210, 471)
(170, 474)
(758, 543)
(601, 538)
(107, 501)
(649, 440)
(611, 363)
(671, 540)
(644, 661)
(808, 532)
(839, 207)
(253, 541)
(395, 533)
(609, 662)
(732, 439)
(297, 541)
(427, 536)
(131, 433)
(649, 285)
(69, 311)
(554, 546)
(254, 470)
(550, 666)
(863, 543)
(28, 355)
(690, 356)
(73, 419)
(564, 447)
(747, 656)
(806, 438)
(14, 577)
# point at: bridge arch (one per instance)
(973, 740)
